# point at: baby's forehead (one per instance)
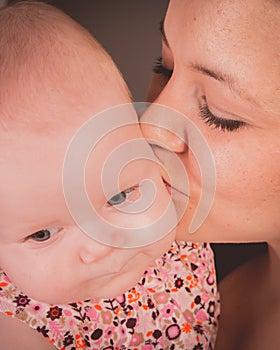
(48, 42)
(55, 76)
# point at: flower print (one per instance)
(179, 282)
(205, 296)
(193, 257)
(166, 274)
(84, 327)
(173, 331)
(186, 327)
(121, 299)
(67, 312)
(21, 300)
(106, 317)
(188, 315)
(54, 313)
(168, 310)
(210, 279)
(137, 339)
(9, 293)
(133, 296)
(43, 330)
(121, 331)
(192, 281)
(198, 329)
(148, 273)
(36, 307)
(4, 277)
(68, 340)
(201, 316)
(194, 267)
(80, 343)
(93, 315)
(97, 334)
(198, 346)
(21, 314)
(131, 323)
(109, 331)
(155, 314)
(157, 334)
(150, 303)
(161, 298)
(202, 268)
(211, 308)
(197, 299)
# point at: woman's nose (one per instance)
(162, 126)
(92, 251)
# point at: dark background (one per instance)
(128, 30)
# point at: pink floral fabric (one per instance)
(175, 305)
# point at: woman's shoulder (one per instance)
(15, 335)
(238, 302)
(243, 280)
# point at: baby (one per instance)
(57, 275)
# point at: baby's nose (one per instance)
(92, 251)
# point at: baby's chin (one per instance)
(111, 286)
(118, 285)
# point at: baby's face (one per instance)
(42, 249)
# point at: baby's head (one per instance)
(56, 77)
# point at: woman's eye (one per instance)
(218, 123)
(43, 235)
(121, 197)
(160, 69)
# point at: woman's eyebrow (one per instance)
(218, 75)
(226, 79)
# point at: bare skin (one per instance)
(251, 306)
(25, 339)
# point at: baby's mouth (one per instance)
(171, 190)
(168, 186)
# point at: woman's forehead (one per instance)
(252, 20)
(232, 36)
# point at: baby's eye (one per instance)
(43, 235)
(121, 197)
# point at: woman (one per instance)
(220, 69)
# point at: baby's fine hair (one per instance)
(42, 46)
(29, 27)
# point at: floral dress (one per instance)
(175, 305)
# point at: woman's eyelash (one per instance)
(218, 123)
(160, 69)
(205, 114)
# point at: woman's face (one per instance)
(225, 58)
